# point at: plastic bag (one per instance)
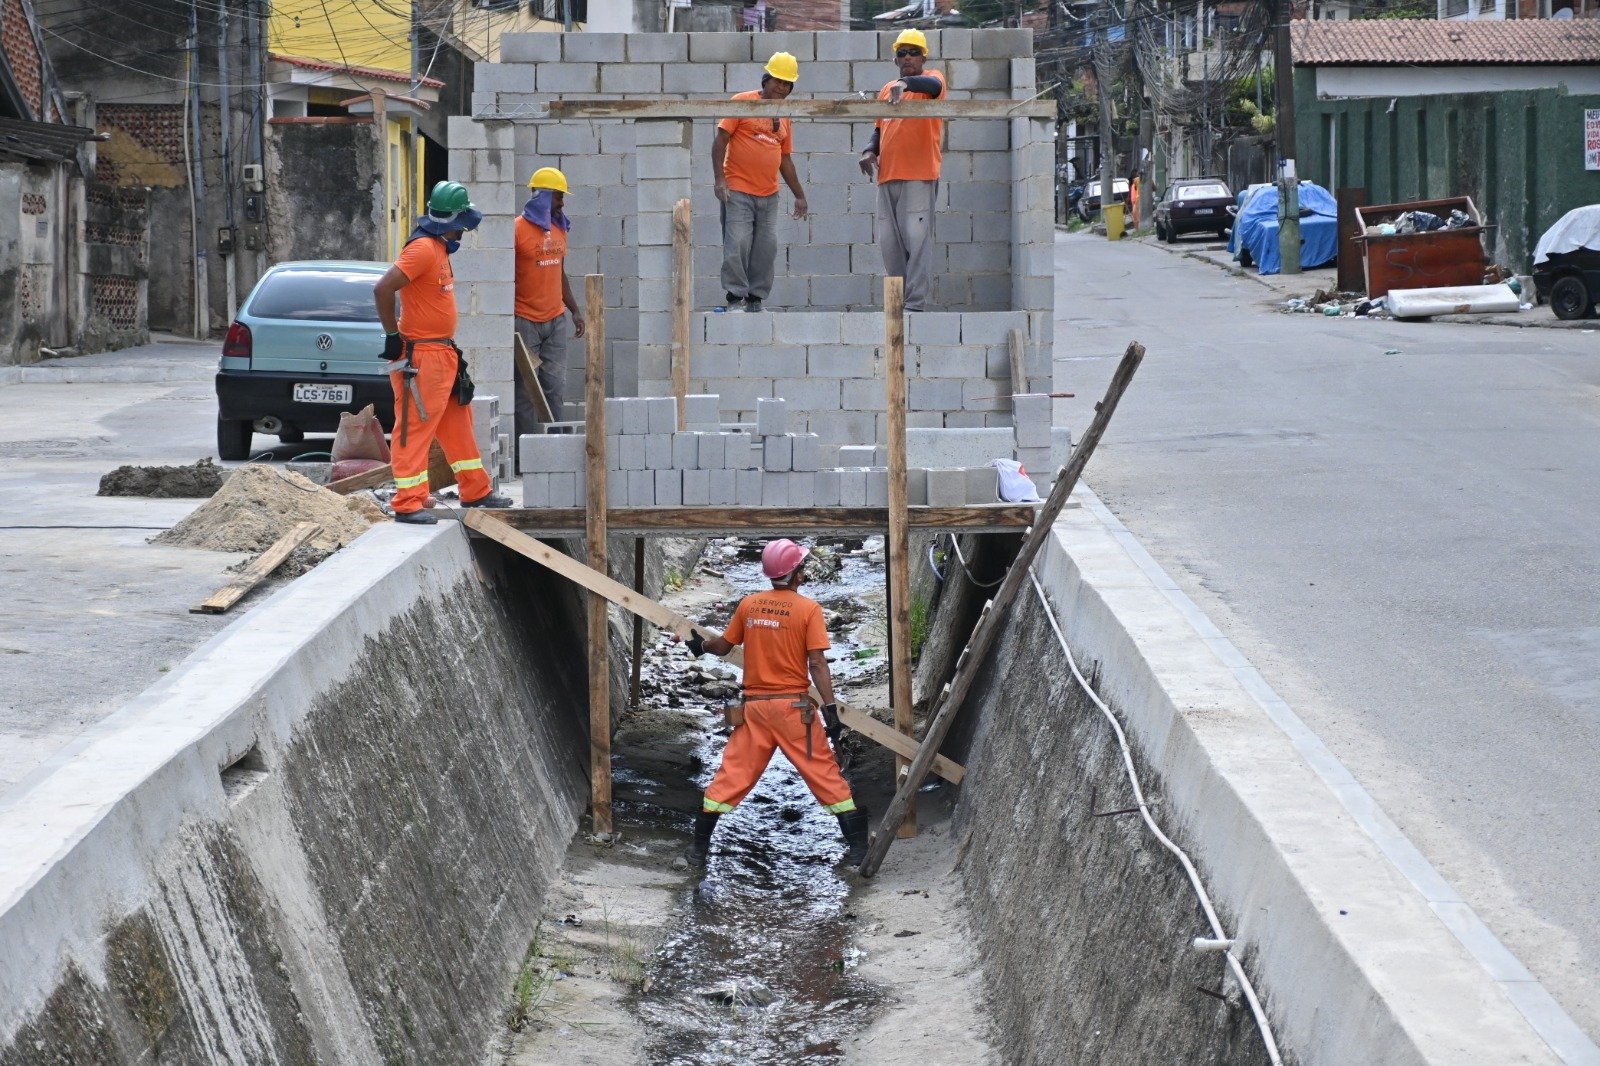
(1015, 485)
(360, 436)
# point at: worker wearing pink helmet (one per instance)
(784, 640)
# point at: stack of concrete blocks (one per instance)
(993, 230)
(494, 446)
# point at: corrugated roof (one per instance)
(373, 73)
(39, 142)
(1435, 42)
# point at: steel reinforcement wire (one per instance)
(1245, 985)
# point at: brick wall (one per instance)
(812, 14)
(22, 55)
(146, 145)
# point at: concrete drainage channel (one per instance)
(333, 834)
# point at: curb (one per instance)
(103, 375)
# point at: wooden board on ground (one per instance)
(528, 370)
(440, 476)
(489, 523)
(262, 565)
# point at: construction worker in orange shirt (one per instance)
(747, 157)
(432, 392)
(784, 640)
(544, 297)
(904, 154)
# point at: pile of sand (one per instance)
(194, 482)
(259, 504)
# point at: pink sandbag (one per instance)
(351, 467)
(360, 436)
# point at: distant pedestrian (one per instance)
(1133, 203)
(747, 157)
(544, 297)
(784, 640)
(904, 152)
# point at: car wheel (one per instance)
(233, 439)
(1171, 236)
(1570, 299)
(1245, 258)
(292, 436)
(1222, 233)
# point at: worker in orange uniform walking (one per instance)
(784, 640)
(544, 299)
(748, 155)
(432, 393)
(904, 152)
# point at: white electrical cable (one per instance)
(1218, 936)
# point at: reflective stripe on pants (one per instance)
(768, 726)
(448, 422)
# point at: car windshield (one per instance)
(321, 295)
(1201, 192)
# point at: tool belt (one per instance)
(463, 389)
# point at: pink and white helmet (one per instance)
(781, 558)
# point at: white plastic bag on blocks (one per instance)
(1015, 485)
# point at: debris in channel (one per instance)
(259, 504)
(198, 481)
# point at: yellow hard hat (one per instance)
(912, 37)
(548, 178)
(784, 67)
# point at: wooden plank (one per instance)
(262, 565)
(682, 303)
(791, 108)
(994, 614)
(1018, 351)
(528, 370)
(492, 525)
(638, 626)
(440, 476)
(897, 545)
(992, 518)
(599, 643)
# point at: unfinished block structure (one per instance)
(819, 345)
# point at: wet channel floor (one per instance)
(759, 966)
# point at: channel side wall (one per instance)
(325, 837)
(1085, 920)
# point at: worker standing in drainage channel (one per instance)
(784, 640)
(544, 297)
(747, 157)
(904, 153)
(432, 392)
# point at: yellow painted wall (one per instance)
(351, 32)
(479, 29)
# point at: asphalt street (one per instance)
(1399, 524)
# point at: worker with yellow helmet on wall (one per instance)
(747, 157)
(543, 295)
(904, 153)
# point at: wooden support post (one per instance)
(682, 303)
(594, 395)
(994, 614)
(897, 547)
(638, 624)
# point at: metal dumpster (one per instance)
(1438, 258)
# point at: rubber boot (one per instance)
(705, 823)
(854, 825)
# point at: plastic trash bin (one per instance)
(1113, 217)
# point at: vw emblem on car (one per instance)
(324, 342)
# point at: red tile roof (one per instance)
(1434, 42)
(373, 73)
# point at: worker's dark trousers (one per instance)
(749, 244)
(547, 341)
(905, 235)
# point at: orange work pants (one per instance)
(448, 422)
(769, 725)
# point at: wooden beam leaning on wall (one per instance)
(490, 525)
(599, 630)
(984, 634)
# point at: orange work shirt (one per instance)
(908, 148)
(755, 151)
(777, 628)
(428, 302)
(540, 255)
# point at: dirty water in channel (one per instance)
(759, 966)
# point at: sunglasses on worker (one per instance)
(901, 53)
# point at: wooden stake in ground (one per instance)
(528, 370)
(987, 630)
(262, 565)
(897, 547)
(594, 416)
(682, 303)
(491, 525)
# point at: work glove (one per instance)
(831, 724)
(697, 644)
(393, 347)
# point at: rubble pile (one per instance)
(202, 479)
(259, 504)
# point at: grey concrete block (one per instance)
(720, 48)
(862, 327)
(594, 47)
(862, 394)
(662, 161)
(934, 394)
(966, 419)
(662, 414)
(658, 47)
(564, 78)
(743, 451)
(613, 451)
(810, 394)
(847, 46)
(1036, 461)
(934, 327)
(853, 487)
(738, 327)
(696, 488)
(877, 487)
(686, 450)
(946, 487)
(563, 490)
(702, 410)
(658, 451)
(641, 488)
(825, 488)
(772, 417)
(713, 360)
(631, 453)
(630, 78)
(778, 453)
(546, 453)
(958, 361)
(801, 44)
(635, 416)
(772, 360)
(1001, 43)
(916, 487)
(800, 487)
(528, 48)
(669, 488)
(774, 489)
(693, 79)
(804, 327)
(617, 489)
(747, 488)
(982, 484)
(841, 361)
(713, 452)
(859, 455)
(1060, 445)
(535, 490)
(806, 452)
(724, 485)
(945, 448)
(981, 394)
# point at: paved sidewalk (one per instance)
(165, 359)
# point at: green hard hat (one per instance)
(449, 198)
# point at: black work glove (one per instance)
(393, 347)
(831, 724)
(697, 644)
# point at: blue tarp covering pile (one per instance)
(1256, 228)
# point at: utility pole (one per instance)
(1108, 144)
(1283, 127)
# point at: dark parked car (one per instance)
(1194, 205)
(1089, 202)
(1566, 264)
